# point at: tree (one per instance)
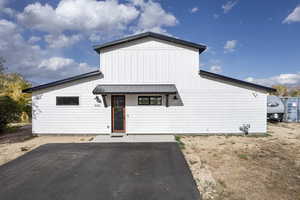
(10, 111)
(12, 86)
(295, 93)
(281, 90)
(2, 68)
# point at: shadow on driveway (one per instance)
(125, 171)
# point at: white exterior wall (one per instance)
(204, 106)
(89, 117)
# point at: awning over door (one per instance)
(165, 89)
(136, 89)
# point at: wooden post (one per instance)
(167, 100)
(104, 100)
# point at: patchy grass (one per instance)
(243, 156)
(179, 142)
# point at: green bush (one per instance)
(10, 111)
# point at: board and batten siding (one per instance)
(89, 117)
(204, 106)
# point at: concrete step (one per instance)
(134, 138)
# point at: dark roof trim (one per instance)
(67, 80)
(135, 89)
(245, 83)
(201, 48)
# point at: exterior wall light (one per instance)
(98, 99)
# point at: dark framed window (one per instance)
(67, 101)
(149, 100)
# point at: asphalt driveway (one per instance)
(118, 171)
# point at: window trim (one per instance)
(67, 97)
(149, 98)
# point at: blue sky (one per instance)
(253, 40)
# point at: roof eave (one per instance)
(62, 81)
(245, 83)
(201, 48)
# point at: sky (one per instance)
(257, 41)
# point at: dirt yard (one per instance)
(224, 167)
(247, 168)
(13, 145)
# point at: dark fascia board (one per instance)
(105, 93)
(245, 83)
(59, 82)
(201, 48)
(137, 93)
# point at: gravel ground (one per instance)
(247, 168)
(13, 145)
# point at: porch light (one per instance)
(98, 99)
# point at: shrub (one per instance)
(179, 142)
(9, 111)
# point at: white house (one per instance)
(149, 84)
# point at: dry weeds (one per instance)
(244, 168)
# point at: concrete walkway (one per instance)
(134, 138)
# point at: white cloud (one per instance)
(293, 16)
(282, 79)
(249, 79)
(195, 9)
(55, 63)
(34, 39)
(79, 15)
(60, 41)
(32, 61)
(216, 69)
(153, 17)
(230, 46)
(5, 10)
(97, 19)
(229, 5)
(59, 63)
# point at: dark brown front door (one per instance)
(118, 113)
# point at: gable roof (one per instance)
(233, 80)
(55, 83)
(201, 48)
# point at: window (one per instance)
(149, 100)
(67, 101)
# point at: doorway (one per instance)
(118, 113)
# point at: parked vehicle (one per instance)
(275, 108)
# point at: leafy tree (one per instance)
(12, 86)
(10, 111)
(294, 93)
(281, 90)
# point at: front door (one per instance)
(118, 113)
